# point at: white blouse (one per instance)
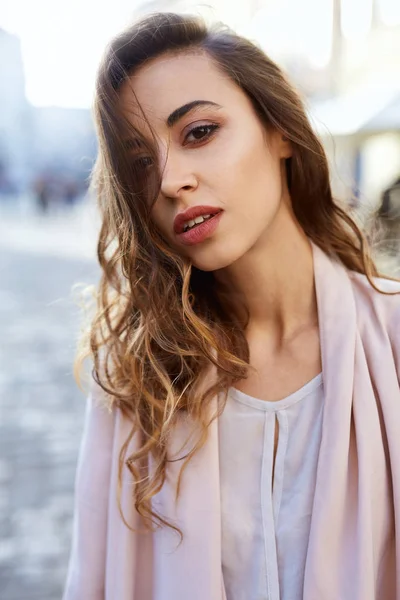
(266, 510)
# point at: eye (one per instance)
(143, 162)
(201, 133)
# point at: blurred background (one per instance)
(344, 57)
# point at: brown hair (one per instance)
(160, 322)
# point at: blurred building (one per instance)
(344, 56)
(15, 116)
(363, 112)
(63, 141)
(38, 143)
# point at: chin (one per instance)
(212, 260)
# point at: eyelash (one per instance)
(141, 162)
(211, 127)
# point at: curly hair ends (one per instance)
(161, 324)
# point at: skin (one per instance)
(258, 250)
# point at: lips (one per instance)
(200, 232)
(191, 214)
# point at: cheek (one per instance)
(159, 217)
(246, 156)
(162, 217)
(256, 176)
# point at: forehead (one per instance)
(170, 81)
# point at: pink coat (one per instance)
(354, 546)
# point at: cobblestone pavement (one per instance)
(41, 408)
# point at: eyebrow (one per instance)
(174, 117)
(132, 144)
(180, 112)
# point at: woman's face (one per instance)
(217, 159)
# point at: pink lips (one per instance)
(192, 213)
(201, 231)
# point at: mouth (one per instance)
(193, 217)
(199, 229)
(195, 222)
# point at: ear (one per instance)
(285, 146)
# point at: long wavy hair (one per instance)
(160, 323)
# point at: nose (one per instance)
(177, 176)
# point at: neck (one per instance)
(275, 280)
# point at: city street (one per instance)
(41, 408)
(320, 78)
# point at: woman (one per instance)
(242, 439)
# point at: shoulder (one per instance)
(100, 408)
